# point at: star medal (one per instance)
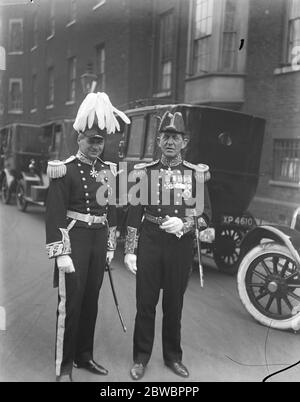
(187, 192)
(93, 172)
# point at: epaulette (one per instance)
(201, 170)
(145, 165)
(200, 167)
(113, 166)
(57, 168)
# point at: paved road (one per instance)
(221, 342)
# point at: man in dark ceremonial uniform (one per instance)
(80, 236)
(159, 243)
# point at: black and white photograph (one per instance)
(149, 193)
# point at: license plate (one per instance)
(246, 221)
(207, 235)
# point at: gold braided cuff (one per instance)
(62, 247)
(112, 238)
(131, 240)
(188, 224)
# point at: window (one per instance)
(15, 36)
(71, 79)
(100, 66)
(150, 142)
(35, 31)
(286, 163)
(72, 11)
(166, 32)
(136, 135)
(15, 95)
(202, 32)
(50, 100)
(293, 34)
(34, 92)
(229, 45)
(51, 20)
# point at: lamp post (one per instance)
(88, 80)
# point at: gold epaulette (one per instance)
(201, 170)
(113, 166)
(200, 167)
(145, 165)
(57, 168)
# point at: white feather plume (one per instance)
(100, 113)
(122, 115)
(85, 109)
(98, 104)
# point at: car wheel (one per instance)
(226, 248)
(269, 286)
(5, 192)
(21, 201)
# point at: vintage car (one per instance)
(24, 154)
(269, 274)
(230, 143)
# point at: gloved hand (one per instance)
(172, 225)
(130, 262)
(109, 256)
(65, 264)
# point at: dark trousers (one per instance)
(163, 261)
(78, 298)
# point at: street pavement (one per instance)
(220, 340)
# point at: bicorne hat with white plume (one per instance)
(97, 108)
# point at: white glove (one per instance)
(109, 256)
(172, 225)
(130, 262)
(65, 264)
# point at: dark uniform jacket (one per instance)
(181, 183)
(73, 187)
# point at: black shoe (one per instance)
(178, 368)
(64, 378)
(92, 367)
(137, 371)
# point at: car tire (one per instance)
(274, 288)
(20, 198)
(5, 191)
(226, 248)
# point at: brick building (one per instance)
(273, 92)
(163, 51)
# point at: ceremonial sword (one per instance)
(198, 249)
(108, 269)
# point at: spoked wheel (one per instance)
(5, 191)
(227, 248)
(21, 201)
(269, 286)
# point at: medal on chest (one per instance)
(187, 192)
(93, 172)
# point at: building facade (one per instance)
(235, 54)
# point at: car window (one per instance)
(151, 136)
(136, 136)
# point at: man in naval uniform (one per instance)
(81, 236)
(159, 244)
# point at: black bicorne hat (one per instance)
(172, 123)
